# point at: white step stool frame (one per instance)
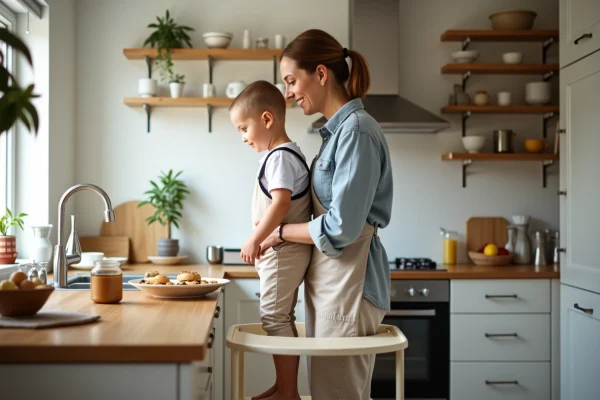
(251, 338)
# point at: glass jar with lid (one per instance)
(106, 283)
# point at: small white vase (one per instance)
(147, 87)
(40, 249)
(176, 89)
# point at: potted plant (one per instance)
(166, 36)
(167, 197)
(8, 243)
(176, 85)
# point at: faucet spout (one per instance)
(61, 260)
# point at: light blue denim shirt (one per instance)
(353, 180)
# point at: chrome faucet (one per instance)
(61, 260)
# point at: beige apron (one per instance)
(335, 308)
(281, 268)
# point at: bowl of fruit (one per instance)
(491, 254)
(20, 297)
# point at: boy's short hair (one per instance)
(258, 97)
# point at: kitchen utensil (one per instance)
(537, 93)
(234, 89)
(535, 145)
(486, 230)
(464, 56)
(481, 98)
(513, 20)
(473, 144)
(512, 57)
(539, 249)
(482, 259)
(111, 246)
(130, 221)
(217, 40)
(40, 248)
(503, 141)
(504, 99)
(167, 260)
(180, 291)
(214, 254)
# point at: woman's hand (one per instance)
(270, 241)
(250, 251)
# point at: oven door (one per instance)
(427, 357)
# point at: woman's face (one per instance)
(304, 88)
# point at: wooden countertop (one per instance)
(145, 329)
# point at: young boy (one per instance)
(281, 195)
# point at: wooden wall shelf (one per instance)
(494, 109)
(203, 54)
(488, 35)
(517, 69)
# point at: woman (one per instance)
(347, 283)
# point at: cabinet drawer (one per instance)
(500, 296)
(500, 381)
(476, 337)
(579, 29)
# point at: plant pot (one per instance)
(147, 87)
(168, 247)
(176, 89)
(8, 249)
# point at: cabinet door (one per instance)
(578, 20)
(580, 101)
(242, 297)
(580, 344)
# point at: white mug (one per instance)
(504, 99)
(208, 90)
(280, 41)
(281, 87)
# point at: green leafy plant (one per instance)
(176, 78)
(166, 36)
(8, 220)
(167, 196)
(15, 102)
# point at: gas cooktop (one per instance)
(412, 264)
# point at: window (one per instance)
(7, 20)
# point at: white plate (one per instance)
(179, 291)
(174, 260)
(121, 260)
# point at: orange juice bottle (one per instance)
(450, 247)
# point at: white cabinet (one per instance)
(242, 307)
(580, 344)
(503, 343)
(580, 118)
(579, 29)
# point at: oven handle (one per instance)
(410, 313)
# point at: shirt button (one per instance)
(325, 139)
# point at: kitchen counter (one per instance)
(145, 329)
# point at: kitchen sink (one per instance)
(82, 281)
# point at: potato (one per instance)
(17, 277)
(36, 281)
(8, 285)
(26, 284)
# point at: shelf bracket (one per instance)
(210, 69)
(465, 117)
(465, 78)
(209, 107)
(545, 119)
(545, 47)
(545, 166)
(148, 112)
(465, 164)
(465, 43)
(149, 64)
(546, 77)
(274, 70)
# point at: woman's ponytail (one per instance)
(360, 79)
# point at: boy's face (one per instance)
(255, 130)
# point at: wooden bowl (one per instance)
(23, 302)
(513, 20)
(482, 259)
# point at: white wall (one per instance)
(114, 151)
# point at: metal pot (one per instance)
(503, 141)
(214, 254)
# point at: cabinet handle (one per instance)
(493, 335)
(257, 294)
(218, 312)
(562, 131)
(501, 296)
(562, 250)
(584, 36)
(562, 192)
(211, 338)
(501, 382)
(589, 311)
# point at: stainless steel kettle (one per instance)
(503, 141)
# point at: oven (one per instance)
(421, 310)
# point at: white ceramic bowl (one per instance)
(537, 93)
(217, 40)
(465, 56)
(473, 144)
(512, 58)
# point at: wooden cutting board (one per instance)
(483, 230)
(111, 246)
(130, 221)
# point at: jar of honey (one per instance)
(450, 247)
(106, 284)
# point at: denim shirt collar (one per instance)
(340, 116)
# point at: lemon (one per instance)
(490, 250)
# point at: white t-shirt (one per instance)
(284, 170)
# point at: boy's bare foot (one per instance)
(282, 396)
(268, 393)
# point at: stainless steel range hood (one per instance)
(374, 31)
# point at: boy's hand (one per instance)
(270, 241)
(250, 251)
